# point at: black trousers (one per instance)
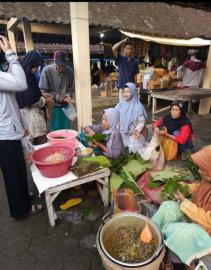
(15, 177)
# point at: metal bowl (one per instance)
(132, 219)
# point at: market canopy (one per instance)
(193, 42)
(149, 18)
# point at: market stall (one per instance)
(54, 186)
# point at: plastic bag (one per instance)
(137, 145)
(70, 112)
(154, 152)
(28, 148)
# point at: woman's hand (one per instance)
(4, 44)
(179, 196)
(90, 132)
(68, 100)
(159, 132)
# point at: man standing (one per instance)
(58, 79)
(127, 64)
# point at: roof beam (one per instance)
(12, 23)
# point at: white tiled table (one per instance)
(53, 186)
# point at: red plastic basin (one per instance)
(69, 137)
(53, 170)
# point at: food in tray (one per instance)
(55, 157)
(125, 245)
(86, 151)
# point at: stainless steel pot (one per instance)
(110, 226)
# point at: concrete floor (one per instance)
(31, 244)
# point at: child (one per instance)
(178, 127)
(132, 118)
(110, 125)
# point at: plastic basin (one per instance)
(70, 136)
(53, 170)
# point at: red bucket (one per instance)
(53, 170)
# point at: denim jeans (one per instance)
(186, 146)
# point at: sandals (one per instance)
(36, 209)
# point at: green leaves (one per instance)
(115, 182)
(136, 168)
(96, 138)
(102, 160)
(169, 178)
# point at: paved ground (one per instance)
(32, 245)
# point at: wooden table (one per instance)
(185, 94)
(54, 186)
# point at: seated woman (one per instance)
(132, 117)
(114, 146)
(178, 127)
(189, 240)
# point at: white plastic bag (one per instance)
(137, 145)
(28, 148)
(154, 152)
(70, 112)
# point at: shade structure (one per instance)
(193, 42)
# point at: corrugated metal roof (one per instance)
(152, 18)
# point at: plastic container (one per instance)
(53, 170)
(70, 136)
(124, 200)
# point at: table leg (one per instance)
(149, 100)
(50, 208)
(154, 106)
(106, 192)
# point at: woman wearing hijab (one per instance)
(113, 146)
(132, 116)
(178, 127)
(31, 102)
(186, 224)
(95, 73)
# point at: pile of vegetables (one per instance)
(126, 170)
(169, 178)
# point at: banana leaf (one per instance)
(115, 182)
(129, 182)
(96, 138)
(102, 160)
(168, 174)
(135, 168)
(117, 164)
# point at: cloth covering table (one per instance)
(54, 186)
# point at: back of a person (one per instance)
(193, 73)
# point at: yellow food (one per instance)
(55, 157)
(86, 151)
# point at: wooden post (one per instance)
(11, 26)
(27, 35)
(11, 38)
(81, 61)
(205, 103)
